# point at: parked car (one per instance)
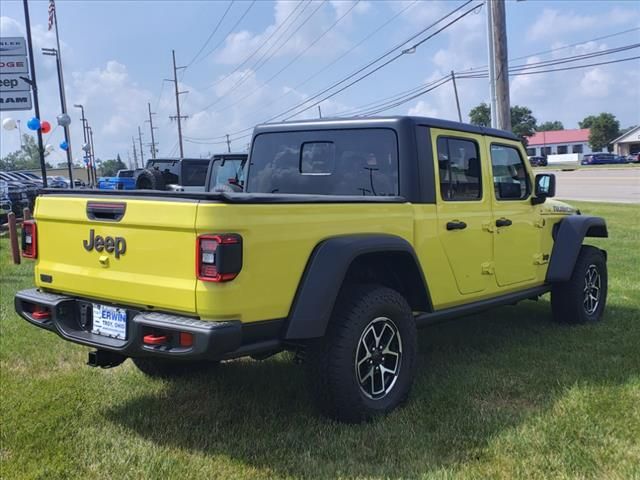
(601, 159)
(17, 193)
(124, 180)
(31, 187)
(538, 161)
(633, 158)
(5, 201)
(57, 182)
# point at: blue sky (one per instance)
(116, 54)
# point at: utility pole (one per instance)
(501, 64)
(34, 87)
(93, 155)
(319, 112)
(140, 140)
(135, 154)
(177, 116)
(455, 91)
(228, 144)
(492, 71)
(151, 127)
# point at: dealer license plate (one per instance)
(109, 321)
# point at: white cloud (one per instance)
(422, 109)
(555, 23)
(596, 83)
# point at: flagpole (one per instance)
(63, 96)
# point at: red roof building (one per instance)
(559, 142)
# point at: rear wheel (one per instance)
(583, 297)
(161, 368)
(365, 364)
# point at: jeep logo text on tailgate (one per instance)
(117, 245)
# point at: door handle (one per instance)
(456, 225)
(503, 222)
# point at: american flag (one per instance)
(52, 13)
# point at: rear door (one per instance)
(464, 209)
(517, 224)
(133, 251)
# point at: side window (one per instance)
(459, 169)
(510, 178)
(194, 173)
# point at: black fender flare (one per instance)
(324, 274)
(568, 238)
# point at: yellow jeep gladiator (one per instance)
(347, 236)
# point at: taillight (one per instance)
(218, 257)
(29, 239)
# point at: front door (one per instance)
(464, 209)
(517, 236)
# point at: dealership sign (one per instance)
(13, 64)
(15, 88)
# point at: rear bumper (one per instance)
(210, 340)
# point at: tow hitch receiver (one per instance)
(105, 359)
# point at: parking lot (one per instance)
(599, 184)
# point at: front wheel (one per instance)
(583, 297)
(366, 362)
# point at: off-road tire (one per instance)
(331, 360)
(161, 368)
(150, 179)
(569, 302)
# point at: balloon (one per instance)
(33, 124)
(45, 127)
(86, 147)
(64, 120)
(64, 145)
(9, 124)
(48, 148)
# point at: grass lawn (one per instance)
(506, 394)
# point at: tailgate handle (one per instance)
(111, 212)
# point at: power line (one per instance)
(229, 32)
(262, 61)
(262, 45)
(403, 52)
(213, 32)
(297, 57)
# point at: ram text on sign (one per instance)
(14, 83)
(13, 46)
(11, 101)
(16, 64)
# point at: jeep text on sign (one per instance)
(15, 101)
(13, 83)
(11, 65)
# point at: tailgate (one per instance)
(150, 262)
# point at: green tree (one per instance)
(549, 126)
(604, 128)
(523, 123)
(109, 168)
(480, 115)
(27, 158)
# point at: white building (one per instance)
(628, 143)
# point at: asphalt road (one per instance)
(599, 184)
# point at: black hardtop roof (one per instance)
(395, 122)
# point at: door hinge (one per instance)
(488, 268)
(488, 226)
(540, 223)
(540, 258)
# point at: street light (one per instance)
(63, 106)
(86, 141)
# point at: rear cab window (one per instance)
(358, 162)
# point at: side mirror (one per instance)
(545, 187)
